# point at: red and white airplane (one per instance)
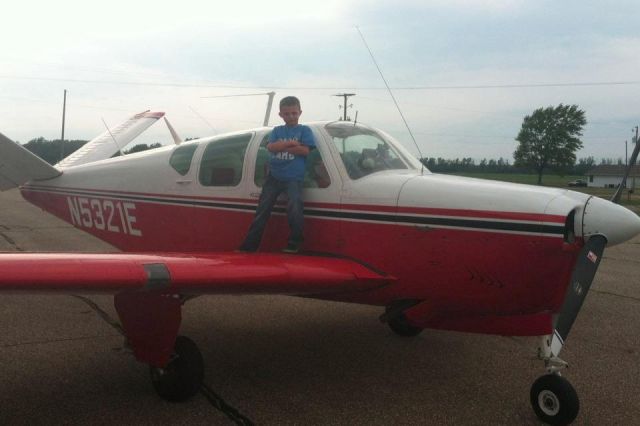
(434, 251)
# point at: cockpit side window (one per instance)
(222, 161)
(362, 150)
(181, 158)
(315, 175)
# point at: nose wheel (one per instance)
(182, 377)
(554, 400)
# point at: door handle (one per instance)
(183, 182)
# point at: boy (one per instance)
(288, 148)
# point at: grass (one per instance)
(629, 200)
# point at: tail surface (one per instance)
(18, 165)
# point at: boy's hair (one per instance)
(290, 101)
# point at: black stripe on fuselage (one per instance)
(458, 222)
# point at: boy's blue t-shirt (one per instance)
(283, 165)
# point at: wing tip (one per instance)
(150, 114)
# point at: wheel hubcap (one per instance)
(549, 403)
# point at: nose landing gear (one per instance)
(554, 400)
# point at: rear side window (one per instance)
(181, 158)
(222, 161)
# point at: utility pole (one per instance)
(626, 154)
(64, 108)
(635, 141)
(265, 123)
(345, 96)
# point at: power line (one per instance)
(417, 87)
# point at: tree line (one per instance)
(51, 152)
(502, 165)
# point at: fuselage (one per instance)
(484, 254)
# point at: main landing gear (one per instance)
(394, 316)
(182, 377)
(401, 327)
(149, 323)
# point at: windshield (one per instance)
(362, 150)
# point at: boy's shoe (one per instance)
(292, 248)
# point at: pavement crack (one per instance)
(11, 241)
(635, 299)
(621, 259)
(68, 339)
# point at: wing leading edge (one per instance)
(202, 273)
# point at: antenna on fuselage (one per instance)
(111, 134)
(174, 134)
(392, 97)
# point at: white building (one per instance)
(610, 176)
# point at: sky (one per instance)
(464, 72)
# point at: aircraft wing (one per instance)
(192, 274)
(111, 141)
(18, 165)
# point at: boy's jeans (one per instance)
(270, 191)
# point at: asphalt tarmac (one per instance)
(284, 360)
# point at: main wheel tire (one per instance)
(554, 400)
(401, 327)
(182, 377)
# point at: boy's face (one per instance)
(290, 114)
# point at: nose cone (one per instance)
(615, 222)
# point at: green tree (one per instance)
(550, 138)
(141, 147)
(49, 150)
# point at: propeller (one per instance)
(623, 184)
(581, 279)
